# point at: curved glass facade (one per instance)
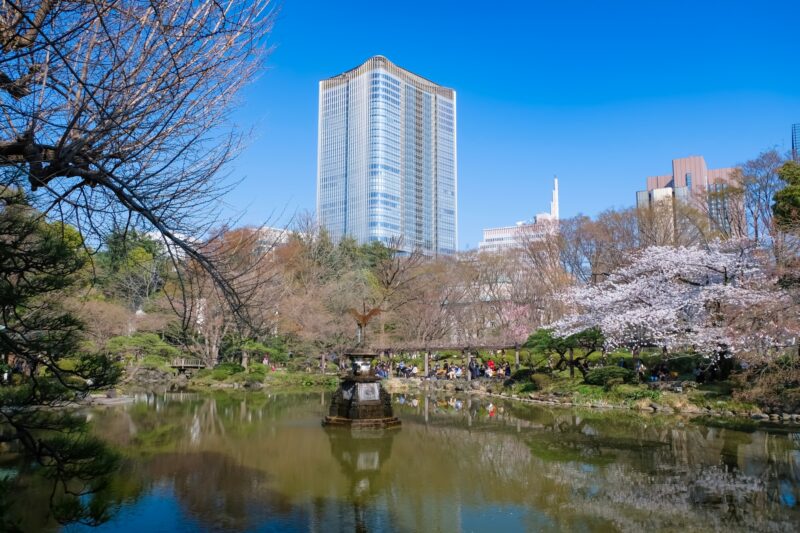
(387, 158)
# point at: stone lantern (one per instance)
(360, 402)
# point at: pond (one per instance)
(263, 462)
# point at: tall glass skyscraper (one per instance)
(386, 166)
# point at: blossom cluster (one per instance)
(673, 298)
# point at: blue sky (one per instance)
(602, 93)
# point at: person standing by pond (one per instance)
(473, 368)
(641, 371)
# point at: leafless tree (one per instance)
(428, 319)
(253, 274)
(729, 219)
(587, 249)
(759, 180)
(495, 298)
(139, 280)
(115, 112)
(546, 275)
(104, 319)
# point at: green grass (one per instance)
(717, 396)
(560, 384)
(632, 393)
(300, 381)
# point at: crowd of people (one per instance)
(660, 373)
(407, 371)
(476, 369)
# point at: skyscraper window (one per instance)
(387, 158)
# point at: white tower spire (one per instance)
(554, 202)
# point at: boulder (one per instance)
(253, 385)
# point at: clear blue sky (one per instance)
(602, 93)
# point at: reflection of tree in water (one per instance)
(701, 499)
(561, 469)
(206, 422)
(694, 478)
(31, 500)
(623, 469)
(160, 421)
(217, 491)
(188, 441)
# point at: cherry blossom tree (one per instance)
(673, 298)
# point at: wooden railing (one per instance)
(187, 362)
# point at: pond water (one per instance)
(263, 462)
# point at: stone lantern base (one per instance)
(361, 403)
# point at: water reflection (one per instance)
(262, 462)
(631, 472)
(361, 454)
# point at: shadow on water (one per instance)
(260, 462)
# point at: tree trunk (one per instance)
(571, 364)
(427, 356)
(245, 359)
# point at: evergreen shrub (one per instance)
(225, 370)
(602, 375)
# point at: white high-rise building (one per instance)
(387, 158)
(543, 224)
